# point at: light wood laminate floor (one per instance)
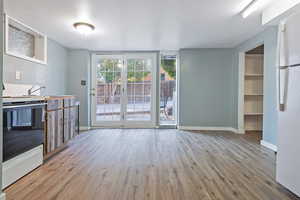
(138, 164)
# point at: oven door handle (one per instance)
(24, 106)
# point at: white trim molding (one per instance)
(84, 128)
(2, 196)
(268, 145)
(241, 97)
(209, 128)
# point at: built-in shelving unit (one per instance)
(253, 92)
(24, 42)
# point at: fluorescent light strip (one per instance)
(252, 7)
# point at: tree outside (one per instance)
(169, 66)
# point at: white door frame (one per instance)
(241, 92)
(123, 123)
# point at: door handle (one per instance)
(283, 70)
(93, 94)
(283, 83)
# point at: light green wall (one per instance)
(269, 39)
(209, 85)
(79, 69)
(206, 88)
(56, 70)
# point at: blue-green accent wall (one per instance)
(269, 39)
(209, 85)
(206, 88)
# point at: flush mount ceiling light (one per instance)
(252, 7)
(84, 28)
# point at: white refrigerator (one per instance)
(288, 155)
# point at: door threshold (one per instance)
(168, 126)
(124, 127)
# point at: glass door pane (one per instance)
(108, 89)
(123, 90)
(139, 89)
(168, 93)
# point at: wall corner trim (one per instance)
(240, 131)
(2, 196)
(209, 128)
(269, 145)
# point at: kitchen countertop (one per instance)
(9, 99)
(58, 97)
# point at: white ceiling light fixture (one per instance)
(84, 28)
(252, 7)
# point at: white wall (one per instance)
(279, 8)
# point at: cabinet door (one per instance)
(69, 102)
(54, 104)
(67, 133)
(54, 130)
(73, 118)
(70, 123)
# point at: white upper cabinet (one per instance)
(24, 42)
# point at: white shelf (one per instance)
(254, 114)
(254, 75)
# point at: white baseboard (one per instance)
(127, 126)
(84, 128)
(240, 131)
(206, 128)
(268, 145)
(2, 196)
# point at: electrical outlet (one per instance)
(18, 75)
(83, 82)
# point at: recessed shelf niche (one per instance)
(253, 91)
(24, 42)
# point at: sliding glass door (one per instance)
(123, 90)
